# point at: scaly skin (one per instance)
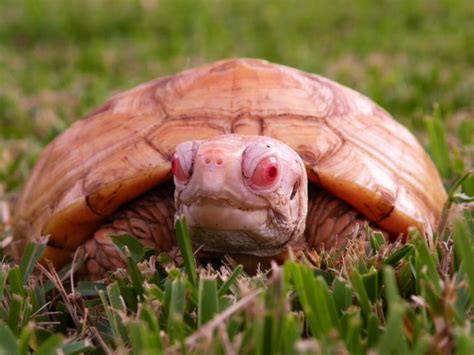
(149, 219)
(329, 222)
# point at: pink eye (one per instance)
(179, 173)
(265, 173)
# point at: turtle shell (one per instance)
(351, 147)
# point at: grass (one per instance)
(59, 60)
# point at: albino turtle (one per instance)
(243, 137)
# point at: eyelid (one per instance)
(253, 155)
(186, 153)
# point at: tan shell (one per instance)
(351, 146)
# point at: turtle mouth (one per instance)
(219, 226)
(223, 215)
(205, 201)
(225, 202)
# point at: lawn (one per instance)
(61, 59)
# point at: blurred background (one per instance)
(60, 59)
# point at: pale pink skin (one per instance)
(241, 194)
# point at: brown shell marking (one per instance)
(351, 146)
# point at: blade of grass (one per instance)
(89, 288)
(376, 240)
(31, 255)
(77, 347)
(463, 245)
(116, 300)
(468, 176)
(393, 340)
(230, 280)
(361, 292)
(177, 304)
(114, 322)
(342, 295)
(438, 143)
(425, 260)
(24, 338)
(135, 248)
(313, 293)
(155, 292)
(15, 311)
(151, 320)
(371, 284)
(16, 281)
(291, 334)
(464, 341)
(4, 272)
(353, 330)
(136, 276)
(208, 300)
(398, 255)
(373, 330)
(137, 332)
(184, 243)
(8, 341)
(391, 289)
(50, 345)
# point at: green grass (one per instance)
(60, 59)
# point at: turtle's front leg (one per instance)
(331, 221)
(149, 218)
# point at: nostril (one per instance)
(212, 160)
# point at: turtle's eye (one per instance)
(266, 173)
(180, 174)
(182, 162)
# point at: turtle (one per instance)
(259, 157)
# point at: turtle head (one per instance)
(241, 194)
